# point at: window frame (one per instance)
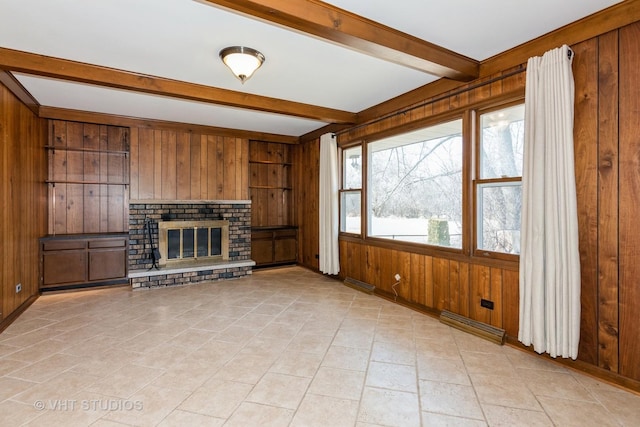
(478, 182)
(460, 114)
(469, 115)
(342, 190)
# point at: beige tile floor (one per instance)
(284, 347)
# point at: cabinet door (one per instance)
(262, 251)
(284, 244)
(107, 259)
(107, 264)
(64, 267)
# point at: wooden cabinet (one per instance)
(274, 239)
(274, 245)
(75, 261)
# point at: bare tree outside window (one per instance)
(499, 185)
(415, 186)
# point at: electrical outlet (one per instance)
(486, 303)
(18, 288)
(397, 277)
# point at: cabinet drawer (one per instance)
(63, 245)
(285, 234)
(107, 243)
(261, 235)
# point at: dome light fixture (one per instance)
(242, 61)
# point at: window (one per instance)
(499, 180)
(414, 186)
(350, 195)
(430, 185)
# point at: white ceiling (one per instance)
(180, 39)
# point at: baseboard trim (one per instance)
(4, 324)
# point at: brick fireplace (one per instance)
(236, 214)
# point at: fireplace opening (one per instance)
(189, 242)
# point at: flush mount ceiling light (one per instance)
(242, 61)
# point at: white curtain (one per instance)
(328, 206)
(549, 258)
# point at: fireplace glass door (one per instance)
(197, 242)
(193, 240)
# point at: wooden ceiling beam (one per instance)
(352, 31)
(19, 91)
(41, 65)
(610, 19)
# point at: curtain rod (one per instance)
(434, 100)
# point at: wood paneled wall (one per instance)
(627, 198)
(178, 165)
(23, 170)
(306, 160)
(88, 175)
(607, 150)
(435, 282)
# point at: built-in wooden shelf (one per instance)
(270, 162)
(274, 240)
(58, 181)
(88, 178)
(266, 162)
(87, 150)
(268, 187)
